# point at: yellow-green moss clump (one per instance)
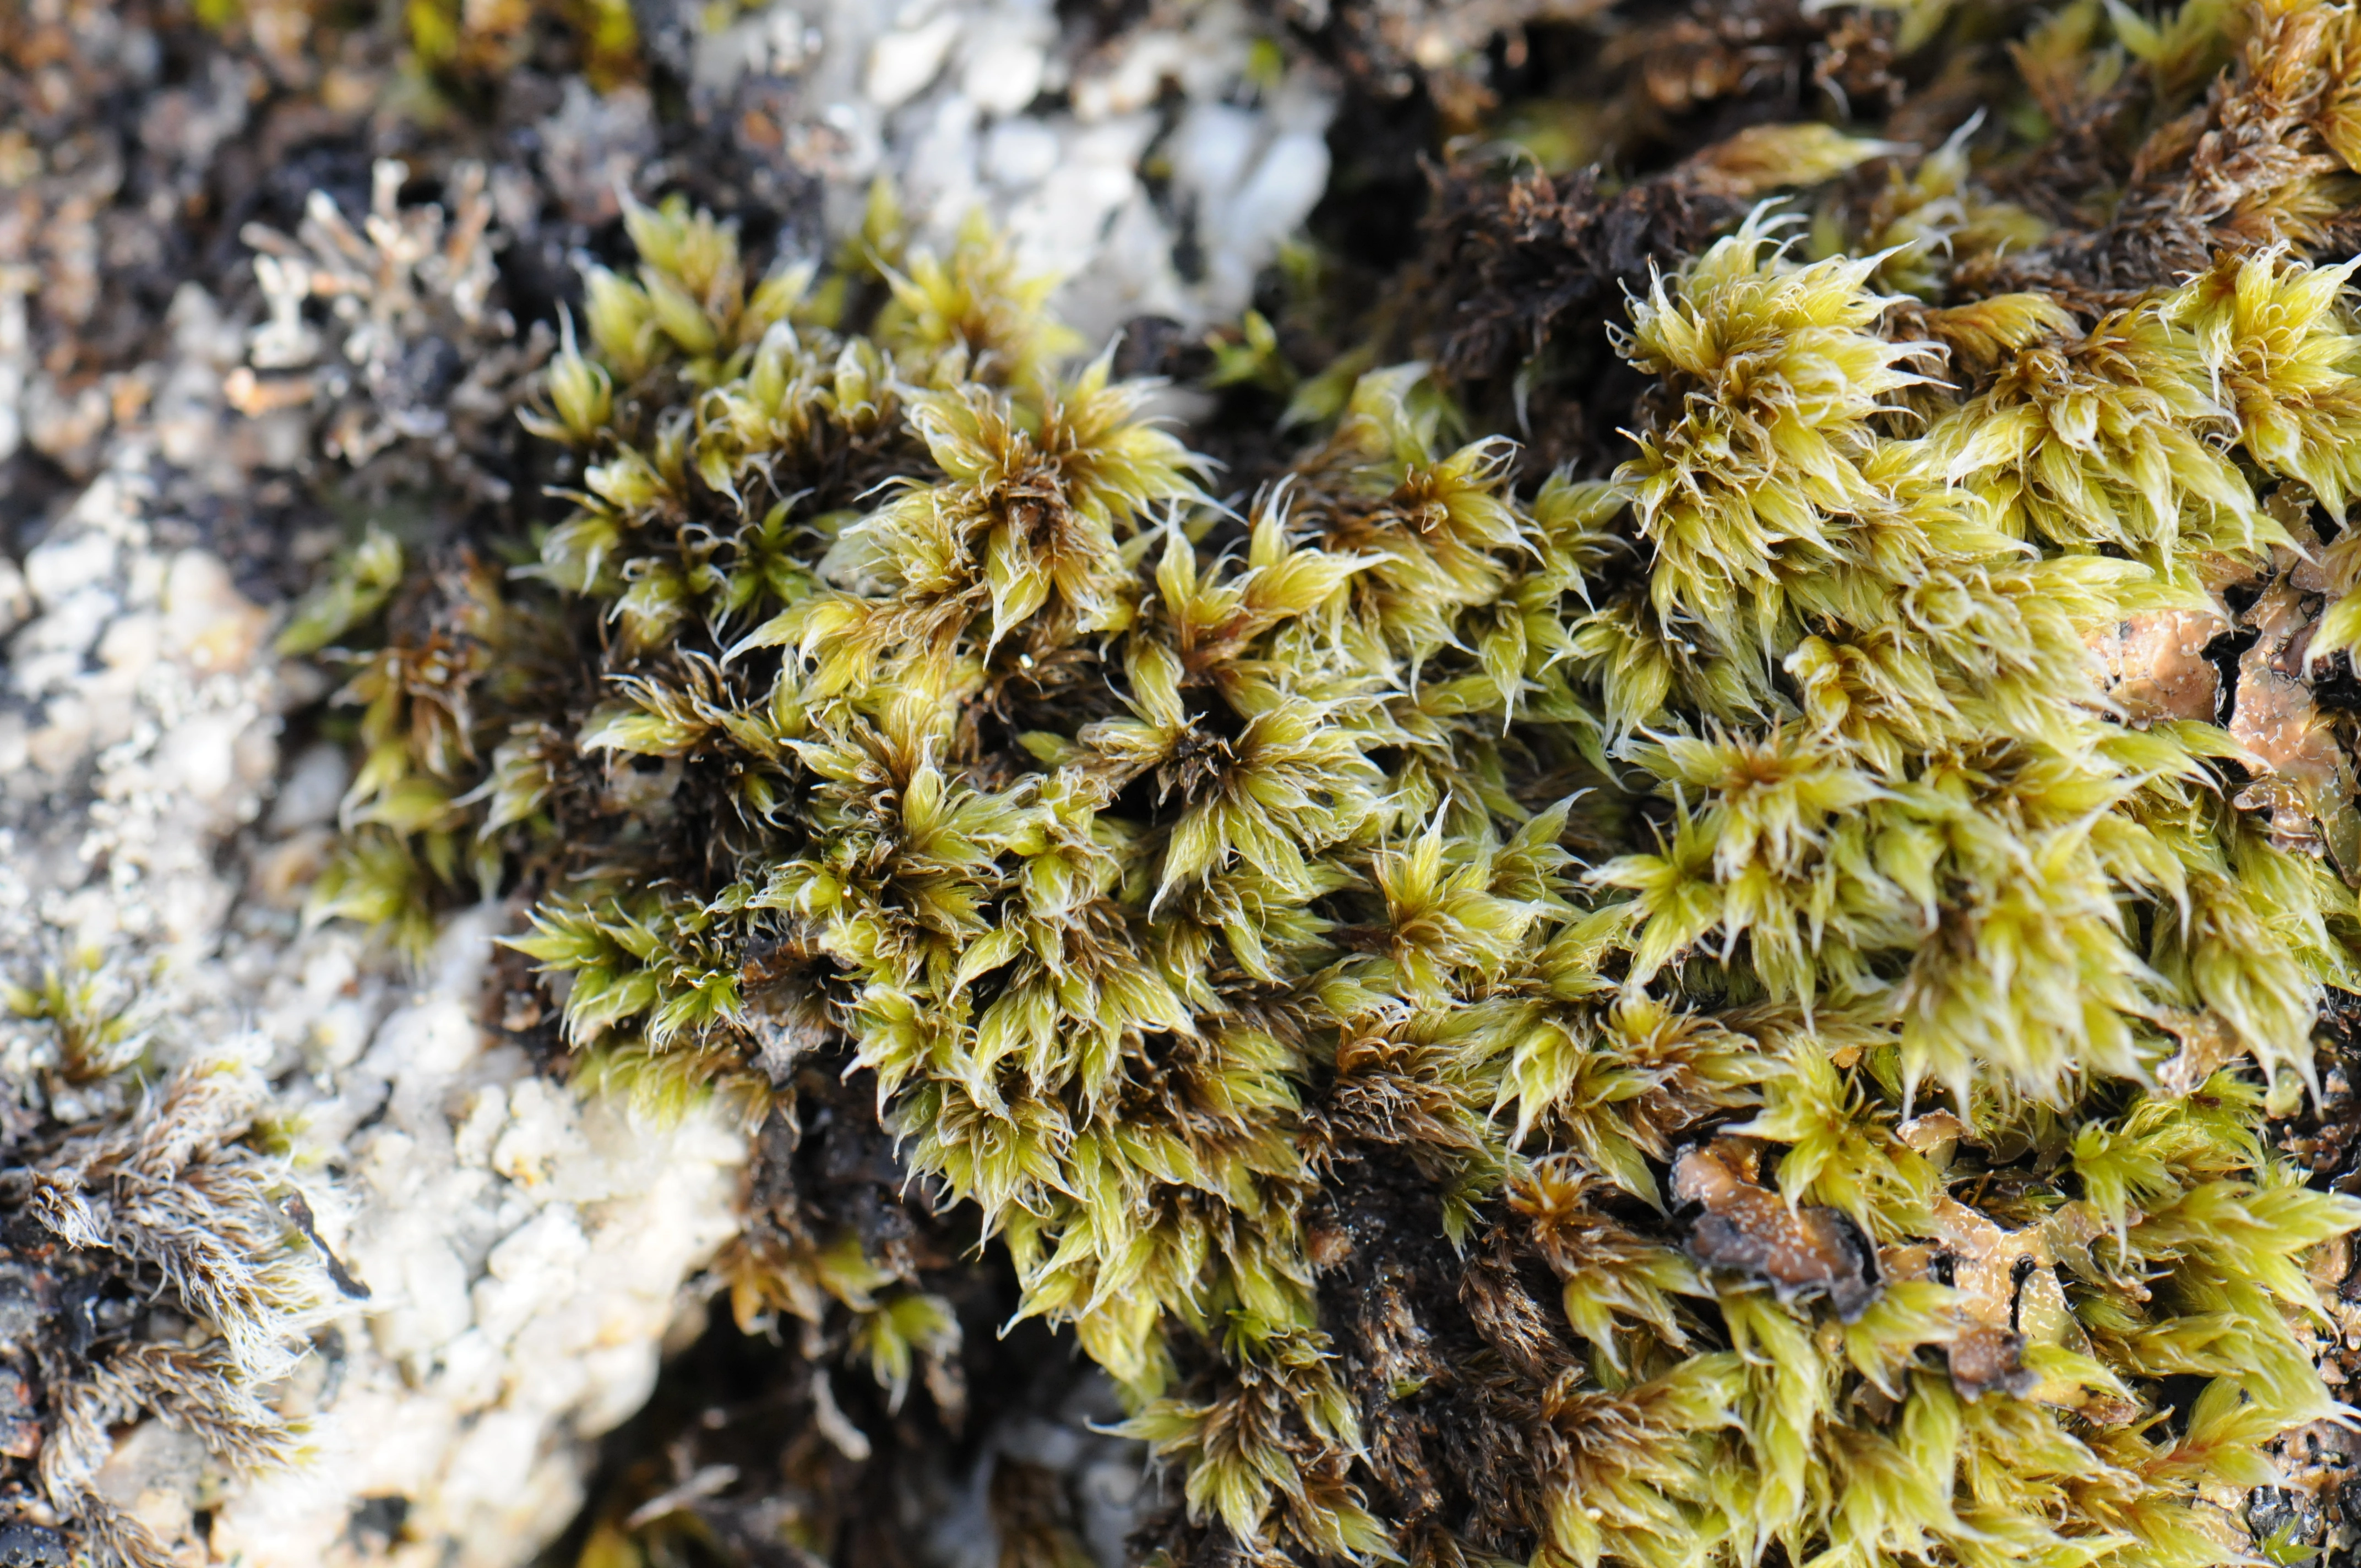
(1709, 1015)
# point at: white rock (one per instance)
(904, 61)
(60, 743)
(424, 1044)
(618, 1379)
(1018, 154)
(199, 755)
(537, 1262)
(493, 1480)
(475, 1372)
(1275, 200)
(207, 622)
(424, 1286)
(1004, 75)
(130, 644)
(1212, 147)
(308, 798)
(941, 178)
(542, 1132)
(486, 1117)
(72, 560)
(46, 655)
(188, 415)
(156, 1472)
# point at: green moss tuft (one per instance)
(1708, 938)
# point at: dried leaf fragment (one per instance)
(2157, 666)
(1800, 1252)
(2208, 1042)
(2007, 1299)
(2304, 780)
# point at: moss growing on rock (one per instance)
(1716, 1011)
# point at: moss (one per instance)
(173, 1217)
(1666, 1017)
